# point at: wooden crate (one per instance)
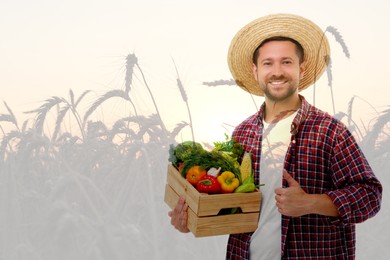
(203, 209)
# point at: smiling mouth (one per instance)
(277, 83)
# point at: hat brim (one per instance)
(309, 35)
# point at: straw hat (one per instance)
(309, 35)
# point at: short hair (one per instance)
(298, 47)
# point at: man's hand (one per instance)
(293, 201)
(179, 216)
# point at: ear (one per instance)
(302, 69)
(254, 70)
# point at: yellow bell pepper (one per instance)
(228, 182)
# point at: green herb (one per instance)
(230, 147)
(206, 160)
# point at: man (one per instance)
(317, 182)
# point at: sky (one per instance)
(50, 47)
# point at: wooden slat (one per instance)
(183, 187)
(170, 197)
(223, 224)
(211, 204)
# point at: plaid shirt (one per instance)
(324, 158)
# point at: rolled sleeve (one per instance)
(358, 192)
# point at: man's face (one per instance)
(278, 70)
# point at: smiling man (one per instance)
(317, 182)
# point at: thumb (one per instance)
(290, 180)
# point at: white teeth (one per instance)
(277, 82)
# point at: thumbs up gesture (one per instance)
(292, 201)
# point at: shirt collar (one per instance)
(301, 115)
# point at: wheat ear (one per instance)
(185, 99)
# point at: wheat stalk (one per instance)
(6, 141)
(332, 30)
(131, 61)
(120, 127)
(330, 80)
(220, 82)
(60, 116)
(6, 118)
(10, 117)
(42, 112)
(339, 38)
(230, 82)
(351, 123)
(185, 99)
(178, 128)
(350, 104)
(350, 109)
(372, 137)
(149, 125)
(110, 94)
(96, 129)
(152, 97)
(72, 105)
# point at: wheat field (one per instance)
(95, 190)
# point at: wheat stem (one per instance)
(185, 99)
(151, 95)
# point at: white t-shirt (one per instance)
(266, 241)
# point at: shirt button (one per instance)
(293, 141)
(293, 127)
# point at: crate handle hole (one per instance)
(227, 211)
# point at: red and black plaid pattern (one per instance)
(324, 158)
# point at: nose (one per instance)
(277, 70)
